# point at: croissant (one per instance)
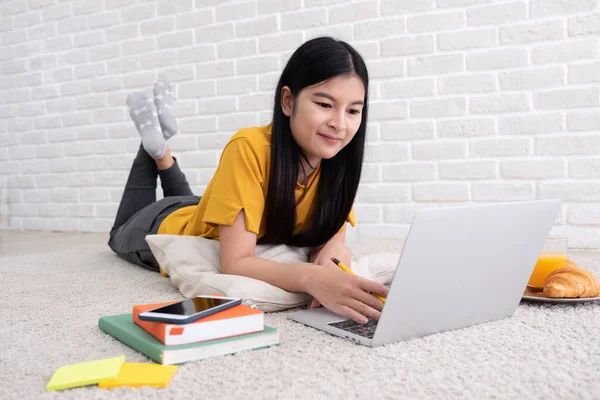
(571, 281)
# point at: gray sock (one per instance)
(144, 115)
(163, 99)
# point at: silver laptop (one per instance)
(460, 266)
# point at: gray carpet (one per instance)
(51, 304)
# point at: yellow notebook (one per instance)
(136, 375)
(84, 374)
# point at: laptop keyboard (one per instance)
(367, 330)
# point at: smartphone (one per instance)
(190, 310)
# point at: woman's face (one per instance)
(325, 117)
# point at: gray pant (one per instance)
(139, 213)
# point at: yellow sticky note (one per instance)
(88, 373)
(136, 375)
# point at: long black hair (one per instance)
(316, 61)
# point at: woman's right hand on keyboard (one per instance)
(345, 294)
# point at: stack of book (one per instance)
(227, 332)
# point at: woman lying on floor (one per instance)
(291, 182)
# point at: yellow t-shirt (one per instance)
(240, 182)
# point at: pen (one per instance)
(348, 270)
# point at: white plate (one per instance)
(558, 300)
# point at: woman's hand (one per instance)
(322, 255)
(345, 294)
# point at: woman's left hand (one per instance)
(323, 257)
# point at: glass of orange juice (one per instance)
(553, 257)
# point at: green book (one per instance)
(123, 328)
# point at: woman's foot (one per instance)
(166, 161)
(163, 100)
(143, 113)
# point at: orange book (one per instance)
(235, 321)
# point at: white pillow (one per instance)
(194, 265)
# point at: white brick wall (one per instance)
(473, 101)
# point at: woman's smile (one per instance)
(330, 139)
